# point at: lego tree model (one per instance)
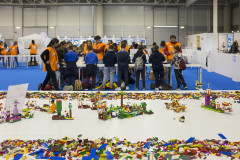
(122, 94)
(59, 107)
(70, 110)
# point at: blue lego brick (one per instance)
(190, 140)
(36, 152)
(222, 136)
(147, 145)
(40, 155)
(56, 153)
(57, 158)
(93, 152)
(45, 145)
(109, 155)
(226, 153)
(102, 147)
(18, 157)
(167, 144)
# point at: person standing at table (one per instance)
(110, 42)
(3, 52)
(123, 59)
(109, 60)
(88, 43)
(99, 48)
(127, 48)
(91, 60)
(178, 72)
(14, 51)
(50, 63)
(169, 52)
(33, 51)
(157, 59)
(140, 56)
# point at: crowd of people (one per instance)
(63, 57)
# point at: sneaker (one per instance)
(111, 88)
(160, 87)
(144, 89)
(127, 88)
(118, 89)
(178, 88)
(103, 88)
(185, 87)
(86, 89)
(156, 89)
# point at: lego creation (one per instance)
(59, 115)
(69, 148)
(175, 106)
(213, 105)
(198, 85)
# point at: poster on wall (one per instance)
(76, 41)
(230, 41)
(198, 43)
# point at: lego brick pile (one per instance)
(69, 148)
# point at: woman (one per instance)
(50, 60)
(33, 51)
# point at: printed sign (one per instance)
(230, 40)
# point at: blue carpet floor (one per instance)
(34, 76)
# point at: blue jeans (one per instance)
(108, 71)
(71, 80)
(100, 72)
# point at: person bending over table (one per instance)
(50, 63)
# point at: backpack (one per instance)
(182, 64)
(139, 63)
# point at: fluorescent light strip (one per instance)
(165, 26)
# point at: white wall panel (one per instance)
(148, 11)
(6, 13)
(18, 16)
(133, 31)
(109, 31)
(30, 17)
(172, 16)
(41, 16)
(68, 16)
(160, 14)
(52, 16)
(86, 18)
(112, 16)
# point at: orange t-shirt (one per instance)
(170, 47)
(85, 49)
(53, 58)
(99, 49)
(126, 49)
(33, 48)
(3, 51)
(161, 50)
(13, 50)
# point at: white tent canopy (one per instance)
(40, 39)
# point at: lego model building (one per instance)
(59, 116)
(175, 106)
(213, 106)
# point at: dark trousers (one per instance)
(33, 58)
(122, 71)
(3, 60)
(71, 80)
(16, 60)
(50, 75)
(93, 80)
(142, 72)
(159, 76)
(179, 77)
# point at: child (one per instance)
(123, 59)
(91, 61)
(13, 50)
(109, 60)
(178, 73)
(141, 54)
(71, 69)
(157, 59)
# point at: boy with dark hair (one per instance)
(71, 69)
(123, 59)
(140, 57)
(157, 59)
(109, 60)
(178, 73)
(91, 61)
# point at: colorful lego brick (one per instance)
(147, 145)
(190, 140)
(222, 136)
(18, 157)
(102, 146)
(109, 155)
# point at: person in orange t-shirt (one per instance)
(99, 48)
(2, 52)
(88, 43)
(13, 50)
(127, 49)
(110, 42)
(33, 51)
(162, 47)
(169, 52)
(50, 63)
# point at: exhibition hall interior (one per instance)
(119, 79)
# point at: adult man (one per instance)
(169, 52)
(99, 48)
